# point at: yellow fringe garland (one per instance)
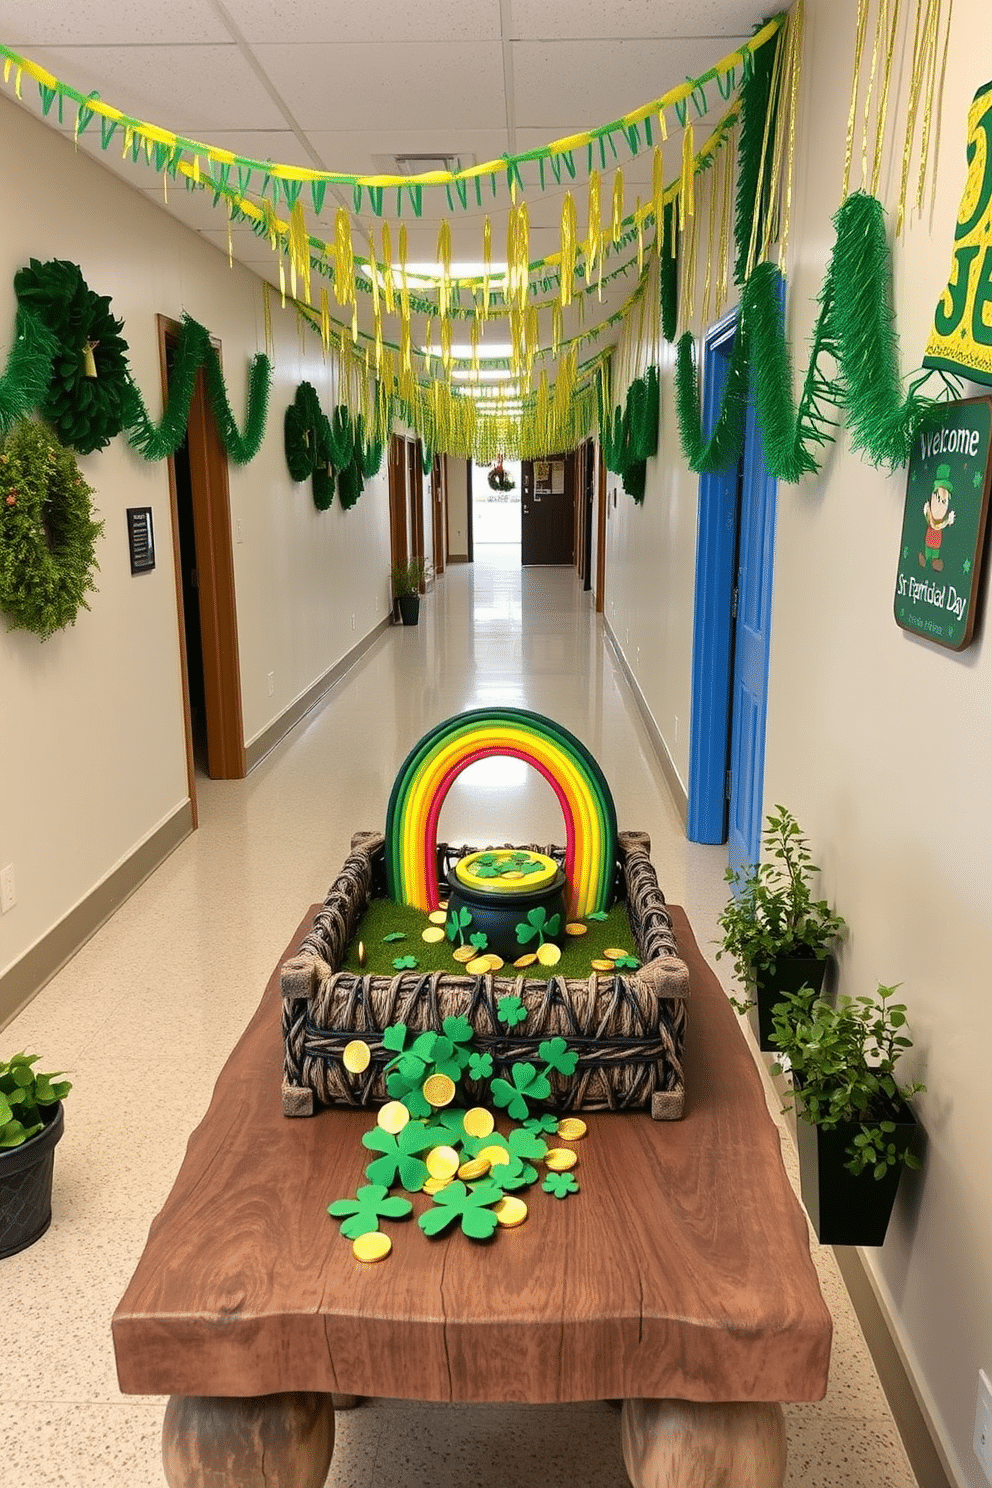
(569, 248)
(594, 230)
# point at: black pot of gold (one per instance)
(506, 902)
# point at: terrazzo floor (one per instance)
(145, 1014)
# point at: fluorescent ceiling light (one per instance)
(462, 351)
(484, 374)
(428, 275)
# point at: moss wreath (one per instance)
(47, 532)
(87, 397)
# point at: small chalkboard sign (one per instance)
(943, 528)
(141, 538)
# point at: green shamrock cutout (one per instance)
(538, 924)
(404, 1084)
(527, 1084)
(557, 1056)
(486, 871)
(626, 963)
(546, 1122)
(394, 1037)
(511, 1011)
(469, 1205)
(399, 1155)
(361, 1214)
(457, 923)
(480, 940)
(480, 1066)
(560, 1184)
(394, 935)
(404, 963)
(598, 914)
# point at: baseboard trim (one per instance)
(22, 981)
(675, 786)
(267, 740)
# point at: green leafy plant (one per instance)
(26, 1096)
(407, 578)
(843, 1063)
(772, 911)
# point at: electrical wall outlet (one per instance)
(272, 683)
(238, 534)
(352, 622)
(8, 888)
(983, 1424)
(676, 728)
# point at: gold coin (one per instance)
(442, 1162)
(514, 873)
(357, 1056)
(560, 1159)
(510, 1211)
(464, 953)
(437, 916)
(549, 954)
(478, 1122)
(602, 965)
(361, 953)
(374, 1247)
(495, 962)
(434, 1185)
(495, 1155)
(574, 928)
(478, 1167)
(526, 960)
(479, 966)
(393, 1117)
(613, 953)
(571, 1128)
(439, 1090)
(432, 934)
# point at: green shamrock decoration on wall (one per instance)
(362, 1213)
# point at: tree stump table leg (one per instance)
(262, 1441)
(689, 1444)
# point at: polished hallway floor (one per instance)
(144, 1016)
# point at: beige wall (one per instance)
(91, 730)
(879, 742)
(458, 499)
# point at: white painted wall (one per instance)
(458, 499)
(878, 742)
(92, 756)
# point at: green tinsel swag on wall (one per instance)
(321, 448)
(855, 332)
(630, 435)
(47, 532)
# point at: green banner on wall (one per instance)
(943, 529)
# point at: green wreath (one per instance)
(86, 399)
(47, 532)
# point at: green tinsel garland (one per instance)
(630, 435)
(315, 444)
(193, 351)
(350, 483)
(758, 111)
(855, 330)
(28, 371)
(341, 434)
(669, 278)
(85, 410)
(371, 451)
(47, 532)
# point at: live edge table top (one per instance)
(681, 1269)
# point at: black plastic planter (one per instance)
(26, 1187)
(409, 608)
(787, 974)
(844, 1208)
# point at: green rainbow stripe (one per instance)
(431, 768)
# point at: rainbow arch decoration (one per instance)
(433, 765)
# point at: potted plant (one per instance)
(31, 1123)
(855, 1128)
(408, 581)
(778, 935)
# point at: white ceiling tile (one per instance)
(279, 145)
(192, 90)
(354, 151)
(456, 85)
(591, 19)
(108, 23)
(638, 73)
(341, 21)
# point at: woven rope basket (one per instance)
(628, 1031)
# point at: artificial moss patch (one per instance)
(384, 917)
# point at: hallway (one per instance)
(146, 1013)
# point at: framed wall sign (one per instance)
(943, 528)
(141, 538)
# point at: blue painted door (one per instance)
(751, 652)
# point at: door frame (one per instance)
(211, 497)
(601, 532)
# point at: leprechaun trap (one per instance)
(489, 994)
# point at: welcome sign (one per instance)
(943, 529)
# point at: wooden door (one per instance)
(439, 512)
(547, 510)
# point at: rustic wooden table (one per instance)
(679, 1279)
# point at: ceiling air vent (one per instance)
(421, 165)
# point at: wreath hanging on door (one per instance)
(47, 532)
(498, 478)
